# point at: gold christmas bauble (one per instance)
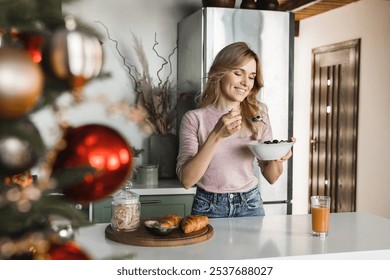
(21, 83)
(75, 57)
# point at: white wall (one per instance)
(370, 21)
(365, 19)
(143, 18)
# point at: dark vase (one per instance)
(248, 4)
(219, 3)
(163, 152)
(272, 5)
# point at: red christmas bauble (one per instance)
(101, 148)
(67, 251)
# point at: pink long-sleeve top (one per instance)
(231, 169)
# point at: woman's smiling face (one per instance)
(236, 84)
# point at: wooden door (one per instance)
(333, 130)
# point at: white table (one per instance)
(351, 235)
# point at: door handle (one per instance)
(314, 143)
(150, 201)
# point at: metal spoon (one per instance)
(256, 119)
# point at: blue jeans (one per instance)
(222, 205)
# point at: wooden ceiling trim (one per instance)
(303, 9)
(290, 5)
(316, 8)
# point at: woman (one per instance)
(213, 153)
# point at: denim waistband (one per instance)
(218, 196)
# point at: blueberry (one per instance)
(275, 141)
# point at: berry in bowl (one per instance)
(271, 150)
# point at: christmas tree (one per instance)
(42, 54)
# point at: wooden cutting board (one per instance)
(142, 237)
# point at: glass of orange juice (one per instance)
(320, 212)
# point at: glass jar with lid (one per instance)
(126, 209)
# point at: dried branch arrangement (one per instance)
(157, 98)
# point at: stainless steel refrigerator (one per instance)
(270, 33)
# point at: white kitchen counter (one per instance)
(164, 187)
(351, 235)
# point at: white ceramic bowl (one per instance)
(270, 151)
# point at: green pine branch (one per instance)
(14, 223)
(25, 13)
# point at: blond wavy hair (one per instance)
(229, 59)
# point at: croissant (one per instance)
(170, 221)
(193, 223)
